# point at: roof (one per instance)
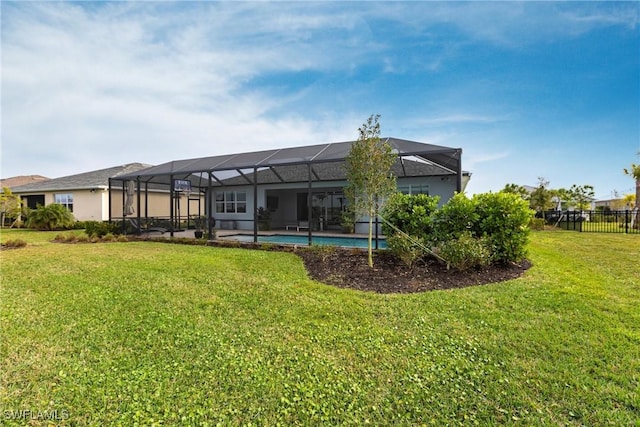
(82, 181)
(329, 172)
(16, 181)
(446, 159)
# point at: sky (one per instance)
(526, 89)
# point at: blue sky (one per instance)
(527, 89)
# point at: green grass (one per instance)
(149, 333)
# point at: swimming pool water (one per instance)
(352, 242)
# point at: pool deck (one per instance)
(226, 234)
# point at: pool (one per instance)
(351, 242)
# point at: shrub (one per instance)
(465, 252)
(83, 238)
(109, 237)
(70, 238)
(457, 217)
(503, 219)
(14, 243)
(101, 228)
(228, 243)
(406, 248)
(536, 224)
(51, 217)
(122, 238)
(409, 213)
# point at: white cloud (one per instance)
(121, 84)
(87, 85)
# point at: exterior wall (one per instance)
(93, 205)
(286, 211)
(238, 221)
(86, 204)
(443, 187)
(159, 204)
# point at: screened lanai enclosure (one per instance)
(298, 188)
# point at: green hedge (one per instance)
(463, 227)
(101, 228)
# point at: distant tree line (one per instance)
(544, 198)
(579, 197)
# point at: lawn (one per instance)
(150, 333)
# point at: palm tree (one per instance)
(634, 172)
(50, 217)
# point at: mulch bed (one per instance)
(349, 269)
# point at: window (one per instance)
(231, 202)
(414, 189)
(65, 200)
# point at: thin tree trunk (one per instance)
(370, 239)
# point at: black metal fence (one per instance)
(598, 221)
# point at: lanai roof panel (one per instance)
(333, 152)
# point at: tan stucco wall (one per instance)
(158, 204)
(86, 204)
(94, 205)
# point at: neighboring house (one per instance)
(235, 186)
(86, 195)
(16, 181)
(612, 204)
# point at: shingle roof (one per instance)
(16, 181)
(86, 180)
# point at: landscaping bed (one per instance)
(349, 269)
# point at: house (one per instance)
(86, 194)
(16, 181)
(612, 204)
(293, 185)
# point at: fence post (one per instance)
(626, 221)
(580, 219)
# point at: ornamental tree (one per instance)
(369, 175)
(581, 196)
(10, 206)
(541, 197)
